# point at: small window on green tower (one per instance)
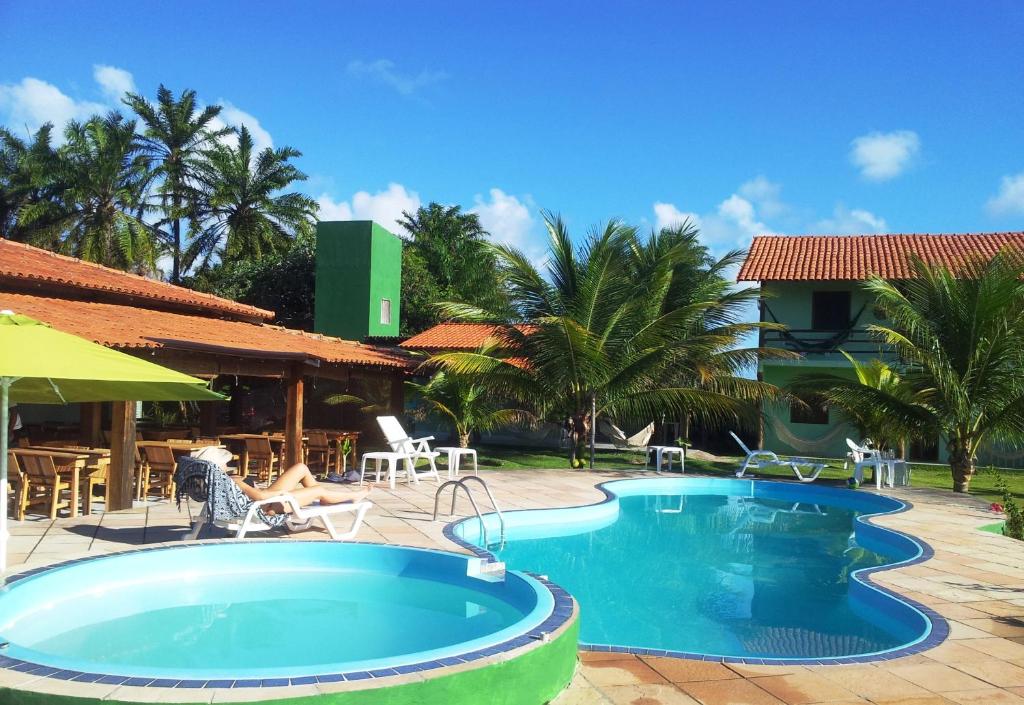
(385, 312)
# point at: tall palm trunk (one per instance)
(579, 433)
(962, 463)
(176, 229)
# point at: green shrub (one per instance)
(1014, 526)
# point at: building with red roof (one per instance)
(811, 284)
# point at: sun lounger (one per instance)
(226, 506)
(765, 459)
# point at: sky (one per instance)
(747, 117)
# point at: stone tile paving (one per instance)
(975, 580)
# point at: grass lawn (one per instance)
(938, 476)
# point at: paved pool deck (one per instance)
(975, 580)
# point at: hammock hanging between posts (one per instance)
(830, 344)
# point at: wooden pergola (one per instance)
(198, 334)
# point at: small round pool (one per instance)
(235, 614)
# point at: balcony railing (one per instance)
(819, 342)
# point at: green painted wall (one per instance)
(358, 264)
(534, 678)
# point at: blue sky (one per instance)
(750, 116)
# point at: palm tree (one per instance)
(176, 136)
(29, 186)
(245, 215)
(961, 335)
(452, 246)
(107, 176)
(846, 394)
(464, 405)
(614, 330)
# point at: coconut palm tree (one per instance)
(961, 335)
(106, 177)
(465, 406)
(613, 330)
(177, 134)
(245, 213)
(29, 186)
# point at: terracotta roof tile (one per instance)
(129, 327)
(855, 257)
(30, 265)
(455, 336)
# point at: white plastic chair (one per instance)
(299, 519)
(864, 457)
(412, 448)
(751, 461)
(856, 452)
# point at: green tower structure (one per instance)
(358, 280)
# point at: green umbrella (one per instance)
(40, 365)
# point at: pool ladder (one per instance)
(455, 485)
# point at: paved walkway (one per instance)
(975, 580)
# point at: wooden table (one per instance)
(72, 461)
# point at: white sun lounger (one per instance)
(299, 518)
(766, 458)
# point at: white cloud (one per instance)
(856, 221)
(756, 208)
(666, 215)
(385, 207)
(230, 116)
(383, 71)
(506, 218)
(32, 102)
(881, 156)
(114, 82)
(765, 194)
(1010, 199)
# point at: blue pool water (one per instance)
(263, 609)
(720, 567)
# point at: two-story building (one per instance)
(813, 285)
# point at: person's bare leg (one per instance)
(296, 476)
(330, 495)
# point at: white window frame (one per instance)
(385, 308)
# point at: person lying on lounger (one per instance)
(296, 481)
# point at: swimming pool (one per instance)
(273, 613)
(735, 569)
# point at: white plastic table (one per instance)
(455, 455)
(659, 454)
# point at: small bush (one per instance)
(1014, 526)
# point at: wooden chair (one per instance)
(158, 468)
(45, 487)
(17, 487)
(318, 450)
(262, 456)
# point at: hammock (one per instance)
(640, 439)
(829, 344)
(816, 446)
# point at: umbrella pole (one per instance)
(5, 388)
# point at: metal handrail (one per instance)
(456, 484)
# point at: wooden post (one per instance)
(293, 419)
(122, 456)
(208, 413)
(397, 401)
(90, 424)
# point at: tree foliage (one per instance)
(446, 258)
(633, 326)
(462, 404)
(175, 138)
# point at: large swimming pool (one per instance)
(724, 568)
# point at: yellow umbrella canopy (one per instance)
(40, 365)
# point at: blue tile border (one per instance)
(939, 627)
(561, 614)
